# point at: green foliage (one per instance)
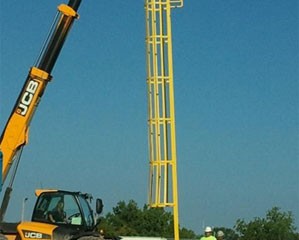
(187, 234)
(156, 222)
(123, 221)
(129, 220)
(276, 225)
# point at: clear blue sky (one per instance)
(237, 113)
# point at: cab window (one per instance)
(57, 209)
(87, 212)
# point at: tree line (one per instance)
(127, 219)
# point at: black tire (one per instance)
(91, 238)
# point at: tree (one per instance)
(187, 234)
(156, 222)
(123, 221)
(276, 225)
(129, 220)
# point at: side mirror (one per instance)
(99, 206)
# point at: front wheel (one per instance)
(91, 238)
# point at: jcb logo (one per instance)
(34, 235)
(27, 97)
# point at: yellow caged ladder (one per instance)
(163, 187)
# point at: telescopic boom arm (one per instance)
(15, 133)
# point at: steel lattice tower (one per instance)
(163, 187)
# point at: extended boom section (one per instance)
(163, 189)
(15, 134)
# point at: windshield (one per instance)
(87, 212)
(62, 208)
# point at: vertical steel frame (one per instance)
(163, 187)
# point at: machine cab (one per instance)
(64, 208)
